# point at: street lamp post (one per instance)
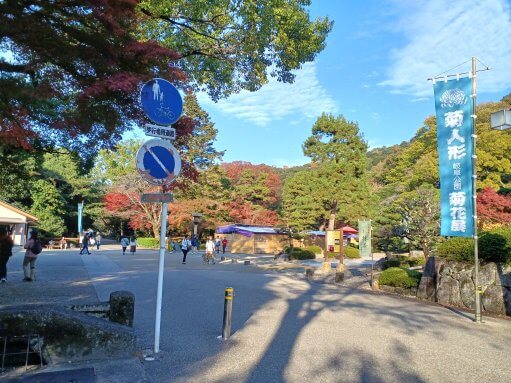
(501, 120)
(196, 221)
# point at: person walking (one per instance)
(133, 244)
(224, 245)
(85, 244)
(186, 246)
(195, 243)
(210, 251)
(34, 248)
(98, 240)
(124, 244)
(63, 243)
(5, 253)
(218, 242)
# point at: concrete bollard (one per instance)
(339, 277)
(226, 324)
(122, 307)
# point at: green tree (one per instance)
(49, 206)
(420, 216)
(228, 45)
(338, 152)
(78, 86)
(301, 209)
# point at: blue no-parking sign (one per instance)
(158, 162)
(161, 101)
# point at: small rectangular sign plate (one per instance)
(160, 131)
(157, 197)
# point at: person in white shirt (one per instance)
(186, 246)
(210, 251)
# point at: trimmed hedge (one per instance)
(391, 263)
(301, 254)
(457, 249)
(399, 277)
(494, 246)
(150, 243)
(351, 252)
(421, 261)
(314, 248)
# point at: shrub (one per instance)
(457, 249)
(150, 243)
(314, 248)
(399, 277)
(391, 263)
(351, 252)
(495, 245)
(301, 254)
(415, 262)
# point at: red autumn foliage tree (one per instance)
(493, 208)
(72, 71)
(259, 184)
(214, 213)
(255, 193)
(141, 216)
(249, 214)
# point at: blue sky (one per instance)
(373, 71)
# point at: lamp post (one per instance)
(501, 120)
(196, 221)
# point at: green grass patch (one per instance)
(149, 243)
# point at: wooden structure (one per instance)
(16, 221)
(252, 239)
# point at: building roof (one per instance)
(29, 217)
(346, 230)
(246, 230)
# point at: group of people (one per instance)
(188, 244)
(131, 242)
(87, 239)
(33, 249)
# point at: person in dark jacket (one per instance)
(5, 253)
(85, 244)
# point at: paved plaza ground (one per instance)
(285, 328)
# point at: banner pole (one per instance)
(478, 316)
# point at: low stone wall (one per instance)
(452, 283)
(68, 335)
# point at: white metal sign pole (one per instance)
(160, 278)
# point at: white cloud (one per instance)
(305, 98)
(444, 34)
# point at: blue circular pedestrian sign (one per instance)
(158, 162)
(161, 101)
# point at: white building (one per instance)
(16, 221)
